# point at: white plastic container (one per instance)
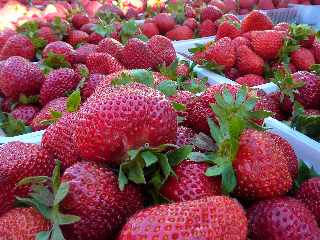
(307, 149)
(34, 137)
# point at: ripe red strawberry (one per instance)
(199, 110)
(19, 76)
(79, 19)
(303, 59)
(83, 52)
(57, 84)
(95, 38)
(261, 167)
(22, 223)
(165, 22)
(183, 70)
(136, 54)
(61, 48)
(185, 136)
(190, 183)
(260, 41)
(219, 217)
(309, 94)
(247, 4)
(95, 197)
(182, 97)
(222, 53)
(47, 34)
(180, 33)
(248, 62)
(282, 218)
(282, 27)
(150, 118)
(251, 80)
(103, 63)
(162, 49)
(25, 113)
(189, 11)
(150, 29)
(57, 105)
(228, 29)
(90, 84)
(18, 45)
(316, 51)
(256, 21)
(207, 28)
(76, 37)
(199, 57)
(191, 23)
(17, 161)
(210, 12)
(238, 41)
(111, 46)
(4, 35)
(58, 141)
(309, 194)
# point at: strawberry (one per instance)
(57, 140)
(309, 194)
(282, 27)
(19, 76)
(57, 84)
(222, 53)
(316, 51)
(282, 218)
(231, 5)
(162, 49)
(22, 223)
(268, 175)
(265, 5)
(303, 59)
(137, 54)
(25, 113)
(5, 35)
(56, 105)
(111, 46)
(165, 22)
(256, 21)
(182, 97)
(79, 19)
(81, 53)
(61, 48)
(149, 119)
(228, 29)
(149, 29)
(185, 136)
(189, 11)
(199, 110)
(90, 84)
(95, 38)
(18, 45)
(312, 112)
(180, 33)
(76, 37)
(220, 217)
(260, 41)
(248, 62)
(232, 74)
(238, 41)
(191, 23)
(199, 57)
(190, 183)
(309, 94)
(95, 197)
(210, 12)
(207, 28)
(183, 70)
(247, 4)
(251, 80)
(20, 160)
(103, 63)
(47, 34)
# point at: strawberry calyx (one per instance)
(54, 61)
(198, 48)
(289, 45)
(151, 166)
(11, 126)
(234, 115)
(315, 68)
(130, 29)
(301, 31)
(304, 173)
(23, 99)
(46, 195)
(308, 124)
(212, 66)
(287, 85)
(176, 9)
(60, 27)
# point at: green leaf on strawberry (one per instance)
(54, 61)
(168, 87)
(198, 48)
(305, 172)
(13, 127)
(23, 99)
(128, 30)
(74, 101)
(137, 75)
